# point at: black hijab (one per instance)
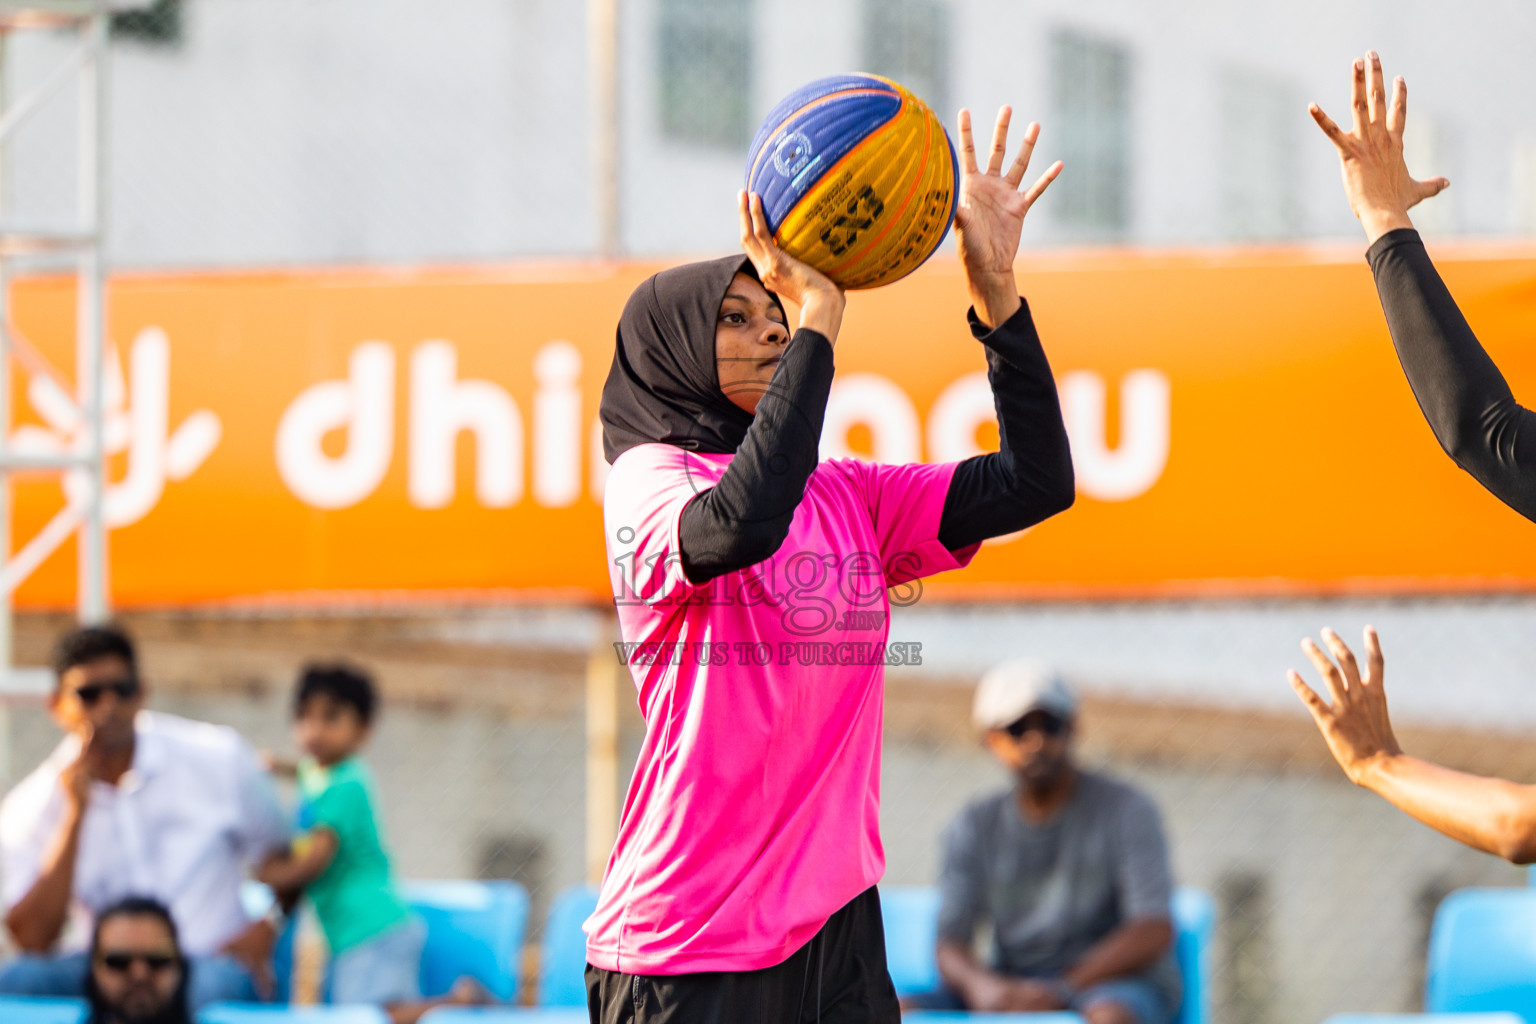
(664, 385)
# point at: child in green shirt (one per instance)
(339, 860)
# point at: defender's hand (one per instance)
(1356, 725)
(1376, 178)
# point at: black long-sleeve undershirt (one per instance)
(745, 517)
(1466, 400)
(1029, 478)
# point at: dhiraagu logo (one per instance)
(553, 451)
(137, 422)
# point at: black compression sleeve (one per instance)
(1459, 389)
(745, 517)
(1029, 478)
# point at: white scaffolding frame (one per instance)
(83, 514)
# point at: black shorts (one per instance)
(839, 977)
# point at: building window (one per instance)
(158, 22)
(1259, 170)
(1091, 92)
(706, 71)
(908, 41)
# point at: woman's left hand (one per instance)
(990, 215)
(820, 301)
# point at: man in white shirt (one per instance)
(134, 803)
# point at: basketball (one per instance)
(858, 178)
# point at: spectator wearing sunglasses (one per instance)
(1068, 867)
(137, 975)
(134, 802)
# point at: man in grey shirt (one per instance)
(1068, 867)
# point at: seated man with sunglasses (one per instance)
(1068, 868)
(137, 973)
(134, 803)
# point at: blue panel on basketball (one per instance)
(858, 178)
(806, 94)
(809, 132)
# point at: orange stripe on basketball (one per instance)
(917, 181)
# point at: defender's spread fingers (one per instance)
(1333, 131)
(1433, 187)
(1397, 112)
(1359, 108)
(1376, 92)
(1329, 671)
(1376, 662)
(1309, 696)
(1345, 656)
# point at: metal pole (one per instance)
(602, 759)
(29, 102)
(603, 80)
(90, 351)
(7, 658)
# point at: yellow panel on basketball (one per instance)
(858, 178)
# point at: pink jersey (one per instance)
(753, 814)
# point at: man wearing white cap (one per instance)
(1067, 866)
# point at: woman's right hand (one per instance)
(1376, 178)
(821, 302)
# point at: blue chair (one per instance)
(473, 928)
(1424, 1018)
(268, 1013)
(911, 917)
(1194, 923)
(1482, 953)
(563, 958)
(505, 1015)
(31, 1010)
(993, 1018)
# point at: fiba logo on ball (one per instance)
(792, 154)
(858, 178)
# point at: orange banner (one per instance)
(1239, 425)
